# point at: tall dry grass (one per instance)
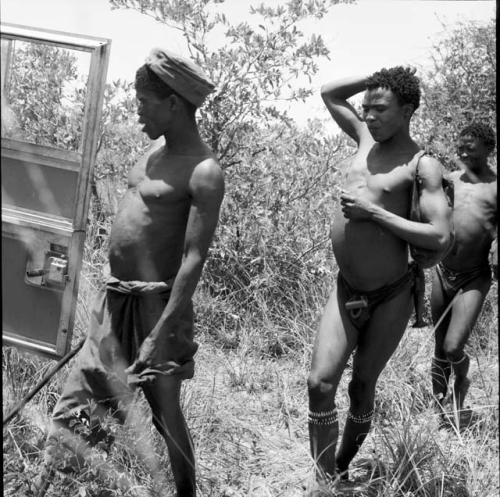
(246, 408)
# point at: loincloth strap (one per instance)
(360, 304)
(471, 273)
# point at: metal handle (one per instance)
(35, 273)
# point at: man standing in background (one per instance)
(462, 279)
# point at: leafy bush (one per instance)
(460, 87)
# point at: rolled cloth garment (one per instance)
(182, 75)
(124, 314)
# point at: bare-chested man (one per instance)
(370, 307)
(465, 273)
(141, 328)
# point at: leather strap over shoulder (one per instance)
(414, 204)
(417, 157)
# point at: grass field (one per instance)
(247, 410)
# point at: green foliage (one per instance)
(273, 240)
(257, 65)
(46, 95)
(460, 87)
(46, 100)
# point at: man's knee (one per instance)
(319, 387)
(453, 351)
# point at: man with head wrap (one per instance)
(141, 328)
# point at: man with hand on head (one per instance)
(463, 277)
(141, 328)
(369, 309)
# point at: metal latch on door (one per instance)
(54, 273)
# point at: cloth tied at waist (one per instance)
(125, 315)
(139, 287)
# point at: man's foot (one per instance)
(446, 420)
(343, 474)
(460, 390)
(458, 420)
(439, 400)
(42, 482)
(341, 470)
(319, 489)
(419, 324)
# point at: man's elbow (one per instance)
(328, 93)
(324, 94)
(195, 260)
(443, 241)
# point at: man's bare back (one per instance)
(147, 238)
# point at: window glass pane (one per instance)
(43, 93)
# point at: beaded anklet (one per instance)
(438, 359)
(363, 418)
(323, 417)
(459, 361)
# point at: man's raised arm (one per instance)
(335, 95)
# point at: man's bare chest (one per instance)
(165, 186)
(380, 182)
(478, 199)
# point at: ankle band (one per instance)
(460, 360)
(323, 417)
(437, 359)
(362, 418)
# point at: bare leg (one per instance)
(440, 366)
(462, 382)
(334, 343)
(90, 393)
(375, 347)
(465, 312)
(440, 375)
(163, 396)
(69, 446)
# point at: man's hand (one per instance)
(150, 364)
(150, 353)
(355, 207)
